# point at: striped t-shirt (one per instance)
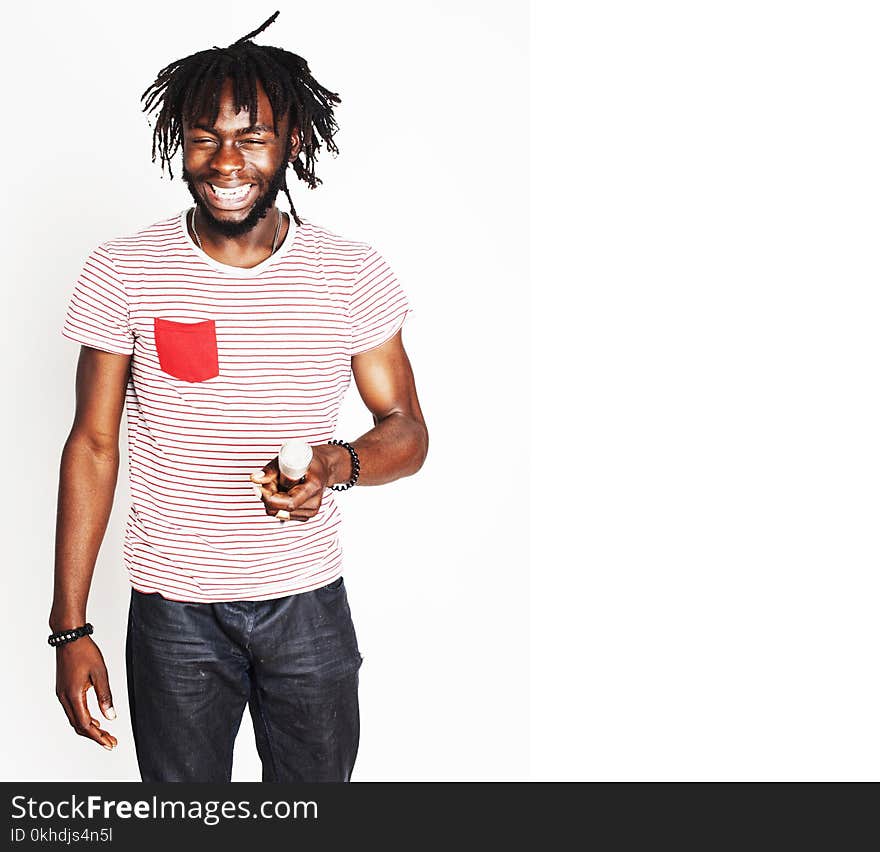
(227, 364)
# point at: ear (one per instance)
(295, 144)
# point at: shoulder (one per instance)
(331, 241)
(156, 237)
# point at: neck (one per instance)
(258, 236)
(245, 249)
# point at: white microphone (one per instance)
(294, 459)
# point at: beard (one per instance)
(261, 207)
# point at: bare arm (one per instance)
(89, 467)
(395, 447)
(398, 444)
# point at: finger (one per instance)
(267, 473)
(301, 512)
(281, 500)
(259, 475)
(265, 480)
(269, 488)
(285, 484)
(101, 737)
(102, 691)
(307, 509)
(282, 505)
(281, 515)
(91, 731)
(313, 503)
(67, 710)
(265, 490)
(308, 494)
(303, 516)
(106, 735)
(83, 719)
(298, 515)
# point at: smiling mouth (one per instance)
(229, 198)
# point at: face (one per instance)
(235, 168)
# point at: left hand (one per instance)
(301, 499)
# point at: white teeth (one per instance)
(229, 194)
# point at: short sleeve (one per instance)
(378, 304)
(98, 311)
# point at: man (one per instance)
(224, 331)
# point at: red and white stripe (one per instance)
(285, 334)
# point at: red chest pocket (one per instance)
(187, 350)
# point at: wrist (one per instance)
(354, 465)
(66, 621)
(61, 638)
(337, 461)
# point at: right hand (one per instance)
(79, 666)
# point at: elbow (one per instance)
(420, 453)
(101, 447)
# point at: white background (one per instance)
(706, 202)
(434, 96)
(703, 491)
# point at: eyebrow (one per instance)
(254, 128)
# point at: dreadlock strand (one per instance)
(251, 80)
(268, 71)
(190, 88)
(189, 100)
(258, 30)
(219, 72)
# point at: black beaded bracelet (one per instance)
(355, 465)
(65, 636)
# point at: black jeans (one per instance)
(192, 667)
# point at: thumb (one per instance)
(266, 473)
(102, 691)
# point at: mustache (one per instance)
(263, 204)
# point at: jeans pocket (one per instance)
(187, 350)
(330, 588)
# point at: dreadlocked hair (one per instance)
(189, 88)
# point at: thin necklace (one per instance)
(192, 219)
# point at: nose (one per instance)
(228, 159)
